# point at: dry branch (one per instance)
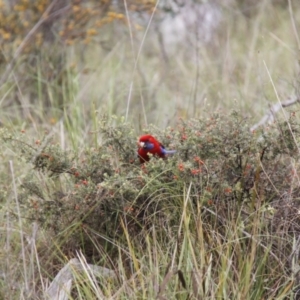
(60, 287)
(270, 115)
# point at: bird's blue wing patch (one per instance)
(148, 146)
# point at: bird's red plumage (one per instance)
(156, 150)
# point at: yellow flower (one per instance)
(120, 16)
(38, 39)
(138, 27)
(91, 32)
(111, 14)
(87, 40)
(70, 42)
(75, 8)
(40, 7)
(99, 23)
(19, 7)
(6, 35)
(25, 24)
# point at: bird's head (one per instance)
(147, 142)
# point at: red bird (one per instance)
(148, 144)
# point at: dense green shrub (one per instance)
(224, 164)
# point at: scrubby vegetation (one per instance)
(217, 220)
(222, 208)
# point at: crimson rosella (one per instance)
(148, 144)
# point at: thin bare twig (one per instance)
(273, 109)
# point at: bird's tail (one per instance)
(169, 151)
